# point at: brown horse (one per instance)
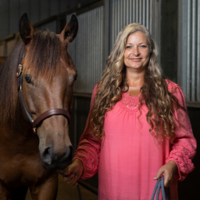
(34, 112)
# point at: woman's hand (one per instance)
(168, 171)
(73, 172)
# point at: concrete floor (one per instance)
(70, 193)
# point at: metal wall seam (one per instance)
(140, 12)
(193, 69)
(126, 12)
(93, 47)
(121, 14)
(113, 25)
(148, 16)
(183, 46)
(144, 12)
(101, 36)
(188, 97)
(130, 5)
(124, 4)
(198, 52)
(179, 44)
(136, 11)
(118, 15)
(151, 14)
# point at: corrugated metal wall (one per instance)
(37, 10)
(125, 12)
(189, 43)
(87, 50)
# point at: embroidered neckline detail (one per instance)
(131, 102)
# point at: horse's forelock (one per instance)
(43, 54)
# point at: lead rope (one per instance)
(78, 188)
(160, 186)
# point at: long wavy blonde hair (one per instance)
(154, 92)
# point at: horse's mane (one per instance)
(8, 84)
(43, 56)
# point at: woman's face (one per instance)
(136, 54)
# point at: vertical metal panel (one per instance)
(193, 69)
(89, 50)
(129, 11)
(188, 97)
(148, 15)
(136, 11)
(144, 13)
(140, 12)
(198, 52)
(189, 44)
(106, 33)
(183, 47)
(118, 16)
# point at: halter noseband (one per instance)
(37, 122)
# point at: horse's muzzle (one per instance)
(52, 160)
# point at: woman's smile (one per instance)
(135, 59)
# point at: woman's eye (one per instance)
(143, 46)
(28, 78)
(128, 47)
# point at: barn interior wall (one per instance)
(169, 31)
(37, 10)
(169, 65)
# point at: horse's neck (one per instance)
(18, 127)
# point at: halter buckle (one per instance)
(20, 69)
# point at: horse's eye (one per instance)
(28, 78)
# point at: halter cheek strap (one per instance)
(37, 122)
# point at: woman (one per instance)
(137, 129)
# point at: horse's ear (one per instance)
(26, 29)
(70, 31)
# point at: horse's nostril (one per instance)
(46, 156)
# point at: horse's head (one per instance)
(48, 77)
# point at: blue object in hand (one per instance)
(160, 186)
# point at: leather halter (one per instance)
(37, 122)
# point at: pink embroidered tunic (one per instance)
(128, 157)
